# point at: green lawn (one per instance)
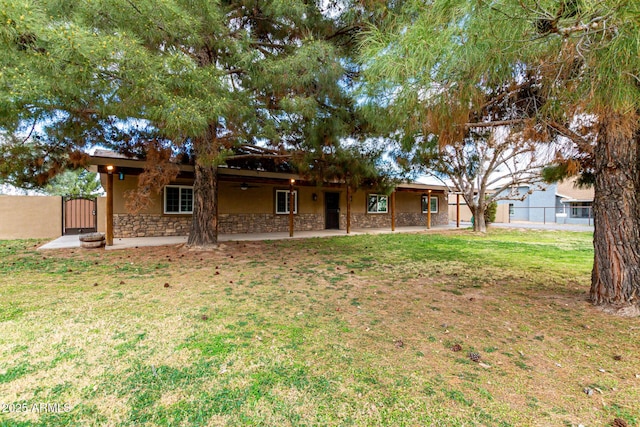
(356, 330)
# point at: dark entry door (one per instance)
(332, 210)
(79, 215)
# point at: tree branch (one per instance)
(494, 123)
(259, 156)
(573, 136)
(268, 45)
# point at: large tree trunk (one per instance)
(479, 222)
(204, 225)
(615, 280)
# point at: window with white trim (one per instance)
(178, 199)
(433, 205)
(282, 202)
(377, 203)
(581, 209)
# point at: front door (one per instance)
(332, 211)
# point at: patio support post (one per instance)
(109, 210)
(428, 209)
(458, 210)
(291, 206)
(348, 209)
(393, 210)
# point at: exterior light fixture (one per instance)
(121, 176)
(244, 186)
(314, 197)
(293, 181)
(110, 168)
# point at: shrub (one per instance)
(490, 212)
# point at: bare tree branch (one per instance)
(494, 123)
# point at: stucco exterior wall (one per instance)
(122, 187)
(30, 217)
(102, 215)
(521, 211)
(502, 214)
(38, 217)
(542, 205)
(465, 212)
(260, 199)
(257, 199)
(502, 211)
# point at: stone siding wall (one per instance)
(442, 217)
(153, 225)
(267, 223)
(361, 220)
(403, 219)
(148, 225)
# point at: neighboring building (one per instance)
(558, 202)
(257, 201)
(539, 204)
(576, 203)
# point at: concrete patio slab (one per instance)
(68, 242)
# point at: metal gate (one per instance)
(79, 215)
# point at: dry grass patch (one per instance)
(363, 330)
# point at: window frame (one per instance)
(582, 210)
(295, 202)
(423, 204)
(180, 211)
(378, 197)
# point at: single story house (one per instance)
(257, 201)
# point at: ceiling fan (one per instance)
(244, 186)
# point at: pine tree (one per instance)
(162, 76)
(581, 63)
(75, 183)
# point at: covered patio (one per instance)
(257, 201)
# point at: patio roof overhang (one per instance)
(134, 167)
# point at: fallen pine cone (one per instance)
(456, 347)
(399, 344)
(474, 356)
(619, 422)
